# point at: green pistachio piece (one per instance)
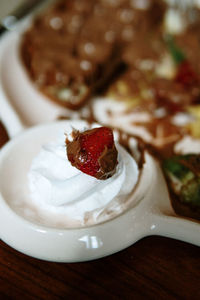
(190, 192)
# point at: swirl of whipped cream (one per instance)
(58, 187)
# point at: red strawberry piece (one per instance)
(186, 75)
(93, 152)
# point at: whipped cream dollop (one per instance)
(58, 187)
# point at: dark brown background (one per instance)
(153, 268)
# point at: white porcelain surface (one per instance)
(153, 213)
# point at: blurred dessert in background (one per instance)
(128, 52)
(74, 48)
(183, 176)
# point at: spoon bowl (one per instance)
(149, 210)
(22, 227)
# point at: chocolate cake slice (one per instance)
(75, 47)
(66, 62)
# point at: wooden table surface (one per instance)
(153, 268)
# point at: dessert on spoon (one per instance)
(82, 179)
(102, 217)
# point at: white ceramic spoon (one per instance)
(150, 213)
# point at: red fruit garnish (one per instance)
(186, 75)
(93, 152)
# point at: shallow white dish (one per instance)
(152, 213)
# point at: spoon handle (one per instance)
(177, 227)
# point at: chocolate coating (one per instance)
(107, 161)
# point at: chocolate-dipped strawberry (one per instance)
(93, 152)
